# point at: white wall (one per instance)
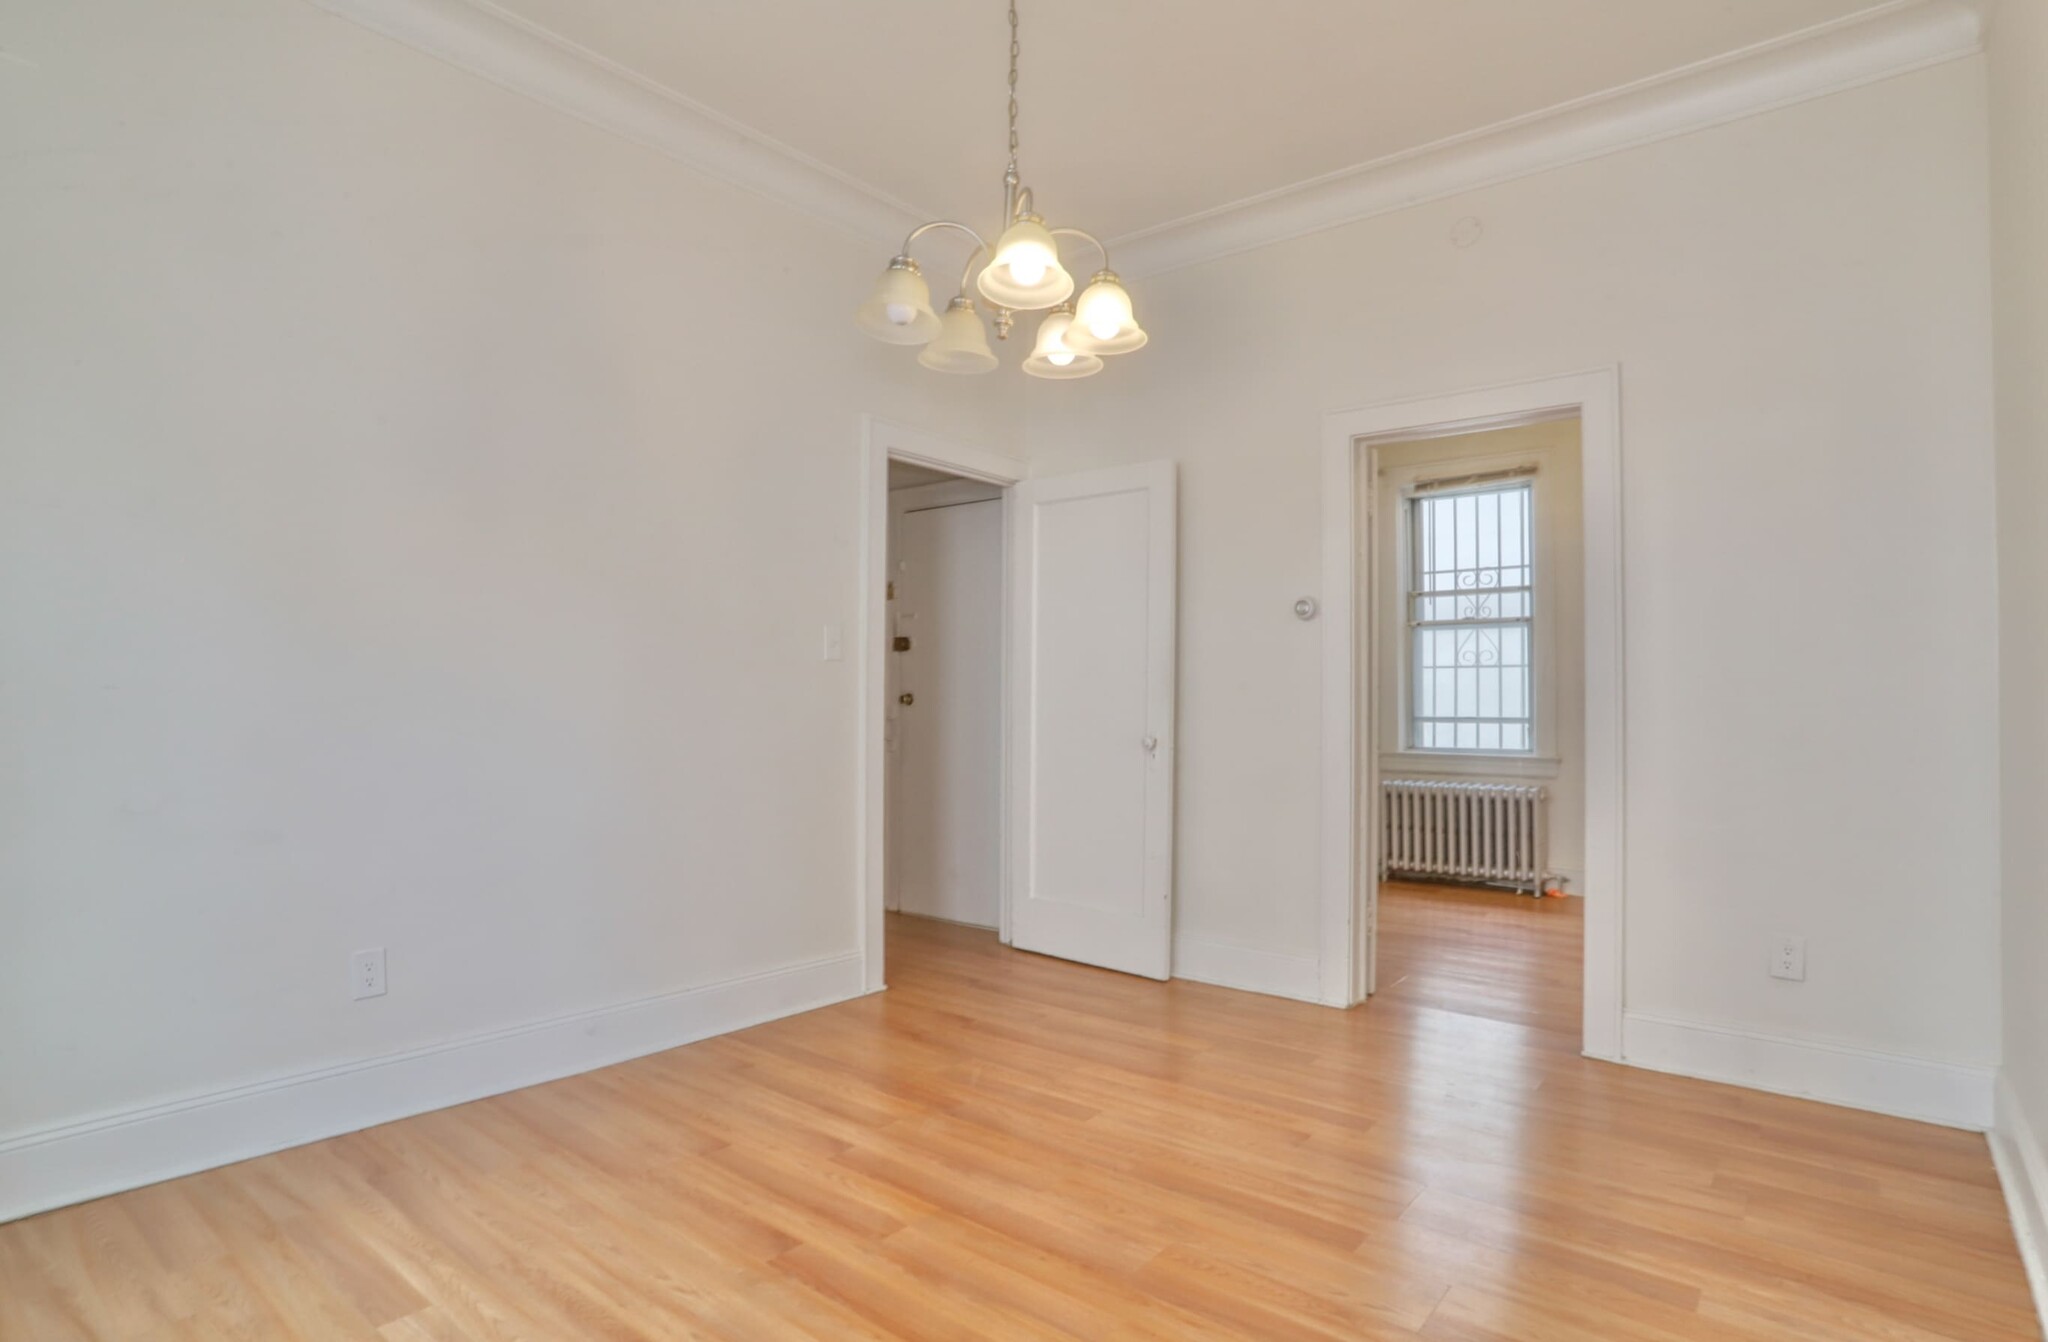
(1552, 447)
(1799, 306)
(2019, 194)
(418, 514)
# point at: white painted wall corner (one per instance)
(56, 1166)
(2023, 1171)
(1950, 1094)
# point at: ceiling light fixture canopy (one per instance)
(1023, 274)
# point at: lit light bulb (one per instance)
(1028, 270)
(1060, 358)
(1103, 328)
(900, 314)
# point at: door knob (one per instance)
(1151, 744)
(906, 699)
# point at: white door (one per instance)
(1091, 702)
(947, 797)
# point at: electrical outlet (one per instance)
(366, 973)
(834, 649)
(1788, 959)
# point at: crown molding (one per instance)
(514, 54)
(1895, 39)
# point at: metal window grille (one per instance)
(1471, 619)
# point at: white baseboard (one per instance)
(1254, 971)
(73, 1162)
(1934, 1092)
(2023, 1170)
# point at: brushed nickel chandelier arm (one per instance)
(967, 266)
(1092, 240)
(974, 254)
(980, 243)
(1020, 272)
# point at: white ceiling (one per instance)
(1137, 113)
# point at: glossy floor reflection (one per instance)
(1008, 1146)
(1485, 953)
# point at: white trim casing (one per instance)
(1350, 762)
(880, 441)
(71, 1163)
(2023, 1172)
(1893, 39)
(1884, 1083)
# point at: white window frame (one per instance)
(1399, 483)
(1516, 477)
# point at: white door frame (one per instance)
(1350, 767)
(881, 443)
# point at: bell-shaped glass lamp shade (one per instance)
(1050, 356)
(899, 311)
(962, 343)
(1103, 323)
(1026, 272)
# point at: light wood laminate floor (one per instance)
(1006, 1146)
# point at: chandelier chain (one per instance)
(1014, 49)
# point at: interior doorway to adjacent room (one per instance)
(1016, 684)
(1474, 585)
(942, 732)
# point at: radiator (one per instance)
(1472, 831)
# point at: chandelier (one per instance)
(1022, 273)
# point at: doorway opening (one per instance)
(1473, 585)
(912, 460)
(1083, 746)
(1353, 835)
(942, 697)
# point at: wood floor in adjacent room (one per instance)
(1004, 1146)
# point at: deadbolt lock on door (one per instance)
(906, 699)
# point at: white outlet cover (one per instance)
(1788, 960)
(366, 974)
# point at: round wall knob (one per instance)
(1305, 609)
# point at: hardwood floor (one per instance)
(1484, 953)
(1006, 1146)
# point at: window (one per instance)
(1471, 617)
